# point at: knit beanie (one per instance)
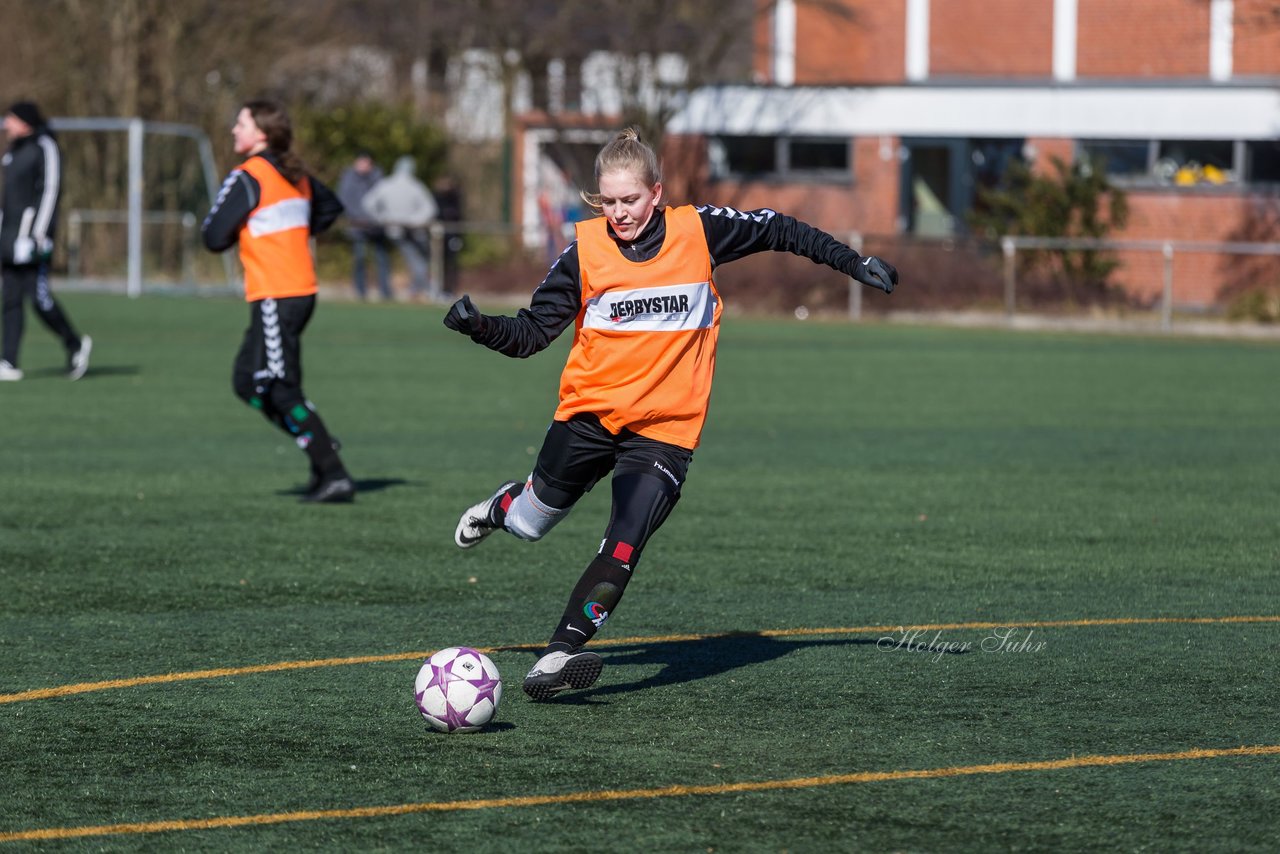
(28, 112)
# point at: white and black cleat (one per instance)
(560, 671)
(78, 363)
(477, 521)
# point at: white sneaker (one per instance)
(559, 671)
(8, 373)
(477, 521)
(80, 358)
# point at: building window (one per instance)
(1262, 162)
(1189, 162)
(1121, 160)
(1183, 162)
(818, 155)
(785, 158)
(744, 156)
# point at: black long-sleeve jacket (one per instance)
(241, 193)
(731, 234)
(32, 187)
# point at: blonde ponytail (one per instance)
(626, 151)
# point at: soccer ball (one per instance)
(458, 690)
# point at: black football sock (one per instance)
(259, 402)
(314, 438)
(593, 599)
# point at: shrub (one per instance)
(329, 139)
(1261, 305)
(1072, 201)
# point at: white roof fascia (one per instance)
(1069, 112)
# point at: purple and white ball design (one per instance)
(458, 690)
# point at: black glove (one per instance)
(870, 270)
(464, 317)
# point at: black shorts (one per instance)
(579, 452)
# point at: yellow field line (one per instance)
(223, 672)
(628, 794)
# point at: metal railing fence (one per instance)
(1010, 245)
(1007, 250)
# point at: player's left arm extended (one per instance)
(733, 234)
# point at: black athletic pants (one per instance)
(268, 375)
(647, 476)
(31, 282)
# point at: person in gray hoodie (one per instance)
(405, 208)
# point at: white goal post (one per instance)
(136, 130)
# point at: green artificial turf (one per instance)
(851, 477)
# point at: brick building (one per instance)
(885, 116)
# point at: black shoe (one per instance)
(313, 481)
(332, 490)
(560, 671)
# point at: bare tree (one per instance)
(194, 61)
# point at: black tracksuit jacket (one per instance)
(32, 187)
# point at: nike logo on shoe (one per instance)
(464, 538)
(477, 522)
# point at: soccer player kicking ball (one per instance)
(637, 285)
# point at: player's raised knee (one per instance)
(530, 519)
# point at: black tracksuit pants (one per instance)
(30, 282)
(268, 376)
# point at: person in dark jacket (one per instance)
(28, 218)
(448, 195)
(363, 230)
(637, 286)
(271, 207)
